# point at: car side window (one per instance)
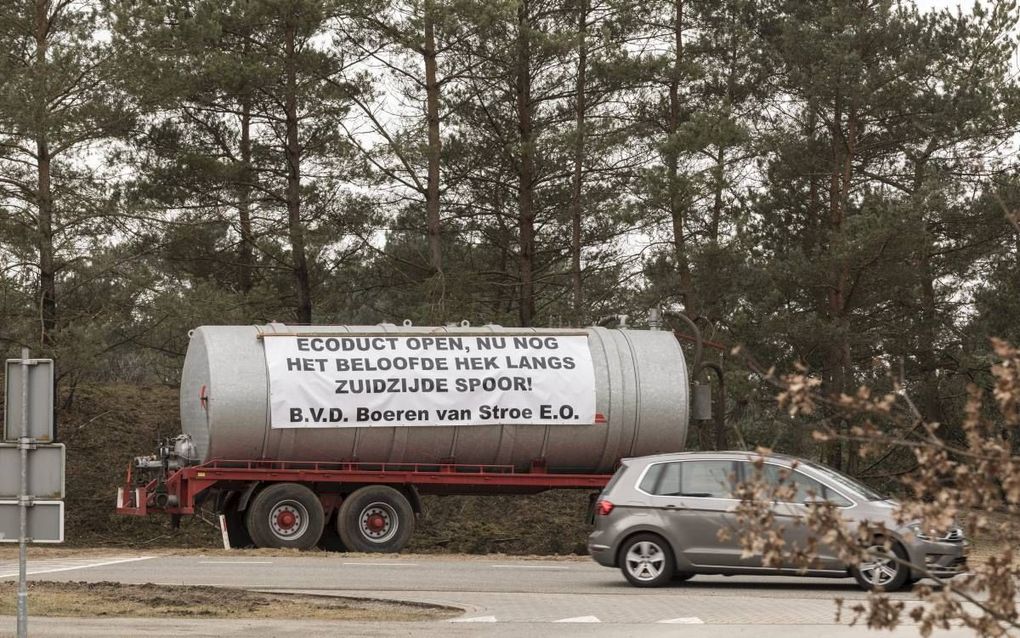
(712, 479)
(834, 497)
(804, 487)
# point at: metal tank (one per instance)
(641, 388)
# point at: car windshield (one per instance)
(844, 481)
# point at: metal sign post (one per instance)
(32, 496)
(23, 445)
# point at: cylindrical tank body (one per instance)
(641, 388)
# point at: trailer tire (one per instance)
(375, 518)
(285, 515)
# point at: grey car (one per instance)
(658, 519)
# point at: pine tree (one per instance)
(57, 110)
(857, 177)
(248, 119)
(402, 130)
(510, 109)
(187, 64)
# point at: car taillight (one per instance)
(602, 508)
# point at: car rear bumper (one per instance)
(600, 551)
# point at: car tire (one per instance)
(680, 577)
(375, 518)
(646, 560)
(285, 515)
(881, 572)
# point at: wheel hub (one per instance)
(379, 522)
(288, 520)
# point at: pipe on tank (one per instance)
(716, 411)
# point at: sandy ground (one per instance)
(154, 601)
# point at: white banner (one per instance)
(428, 380)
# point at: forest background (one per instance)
(830, 184)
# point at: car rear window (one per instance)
(662, 479)
(620, 471)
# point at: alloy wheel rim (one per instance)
(881, 568)
(645, 561)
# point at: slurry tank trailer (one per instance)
(305, 435)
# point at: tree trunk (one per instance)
(838, 358)
(296, 229)
(526, 173)
(929, 402)
(434, 141)
(677, 201)
(576, 202)
(718, 173)
(245, 256)
(812, 240)
(44, 193)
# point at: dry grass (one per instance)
(153, 601)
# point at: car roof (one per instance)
(737, 455)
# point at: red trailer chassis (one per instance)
(179, 492)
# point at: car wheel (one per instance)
(680, 577)
(882, 570)
(646, 560)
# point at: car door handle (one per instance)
(670, 506)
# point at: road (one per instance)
(499, 596)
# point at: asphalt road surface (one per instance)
(500, 596)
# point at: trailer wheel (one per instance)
(285, 515)
(375, 518)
